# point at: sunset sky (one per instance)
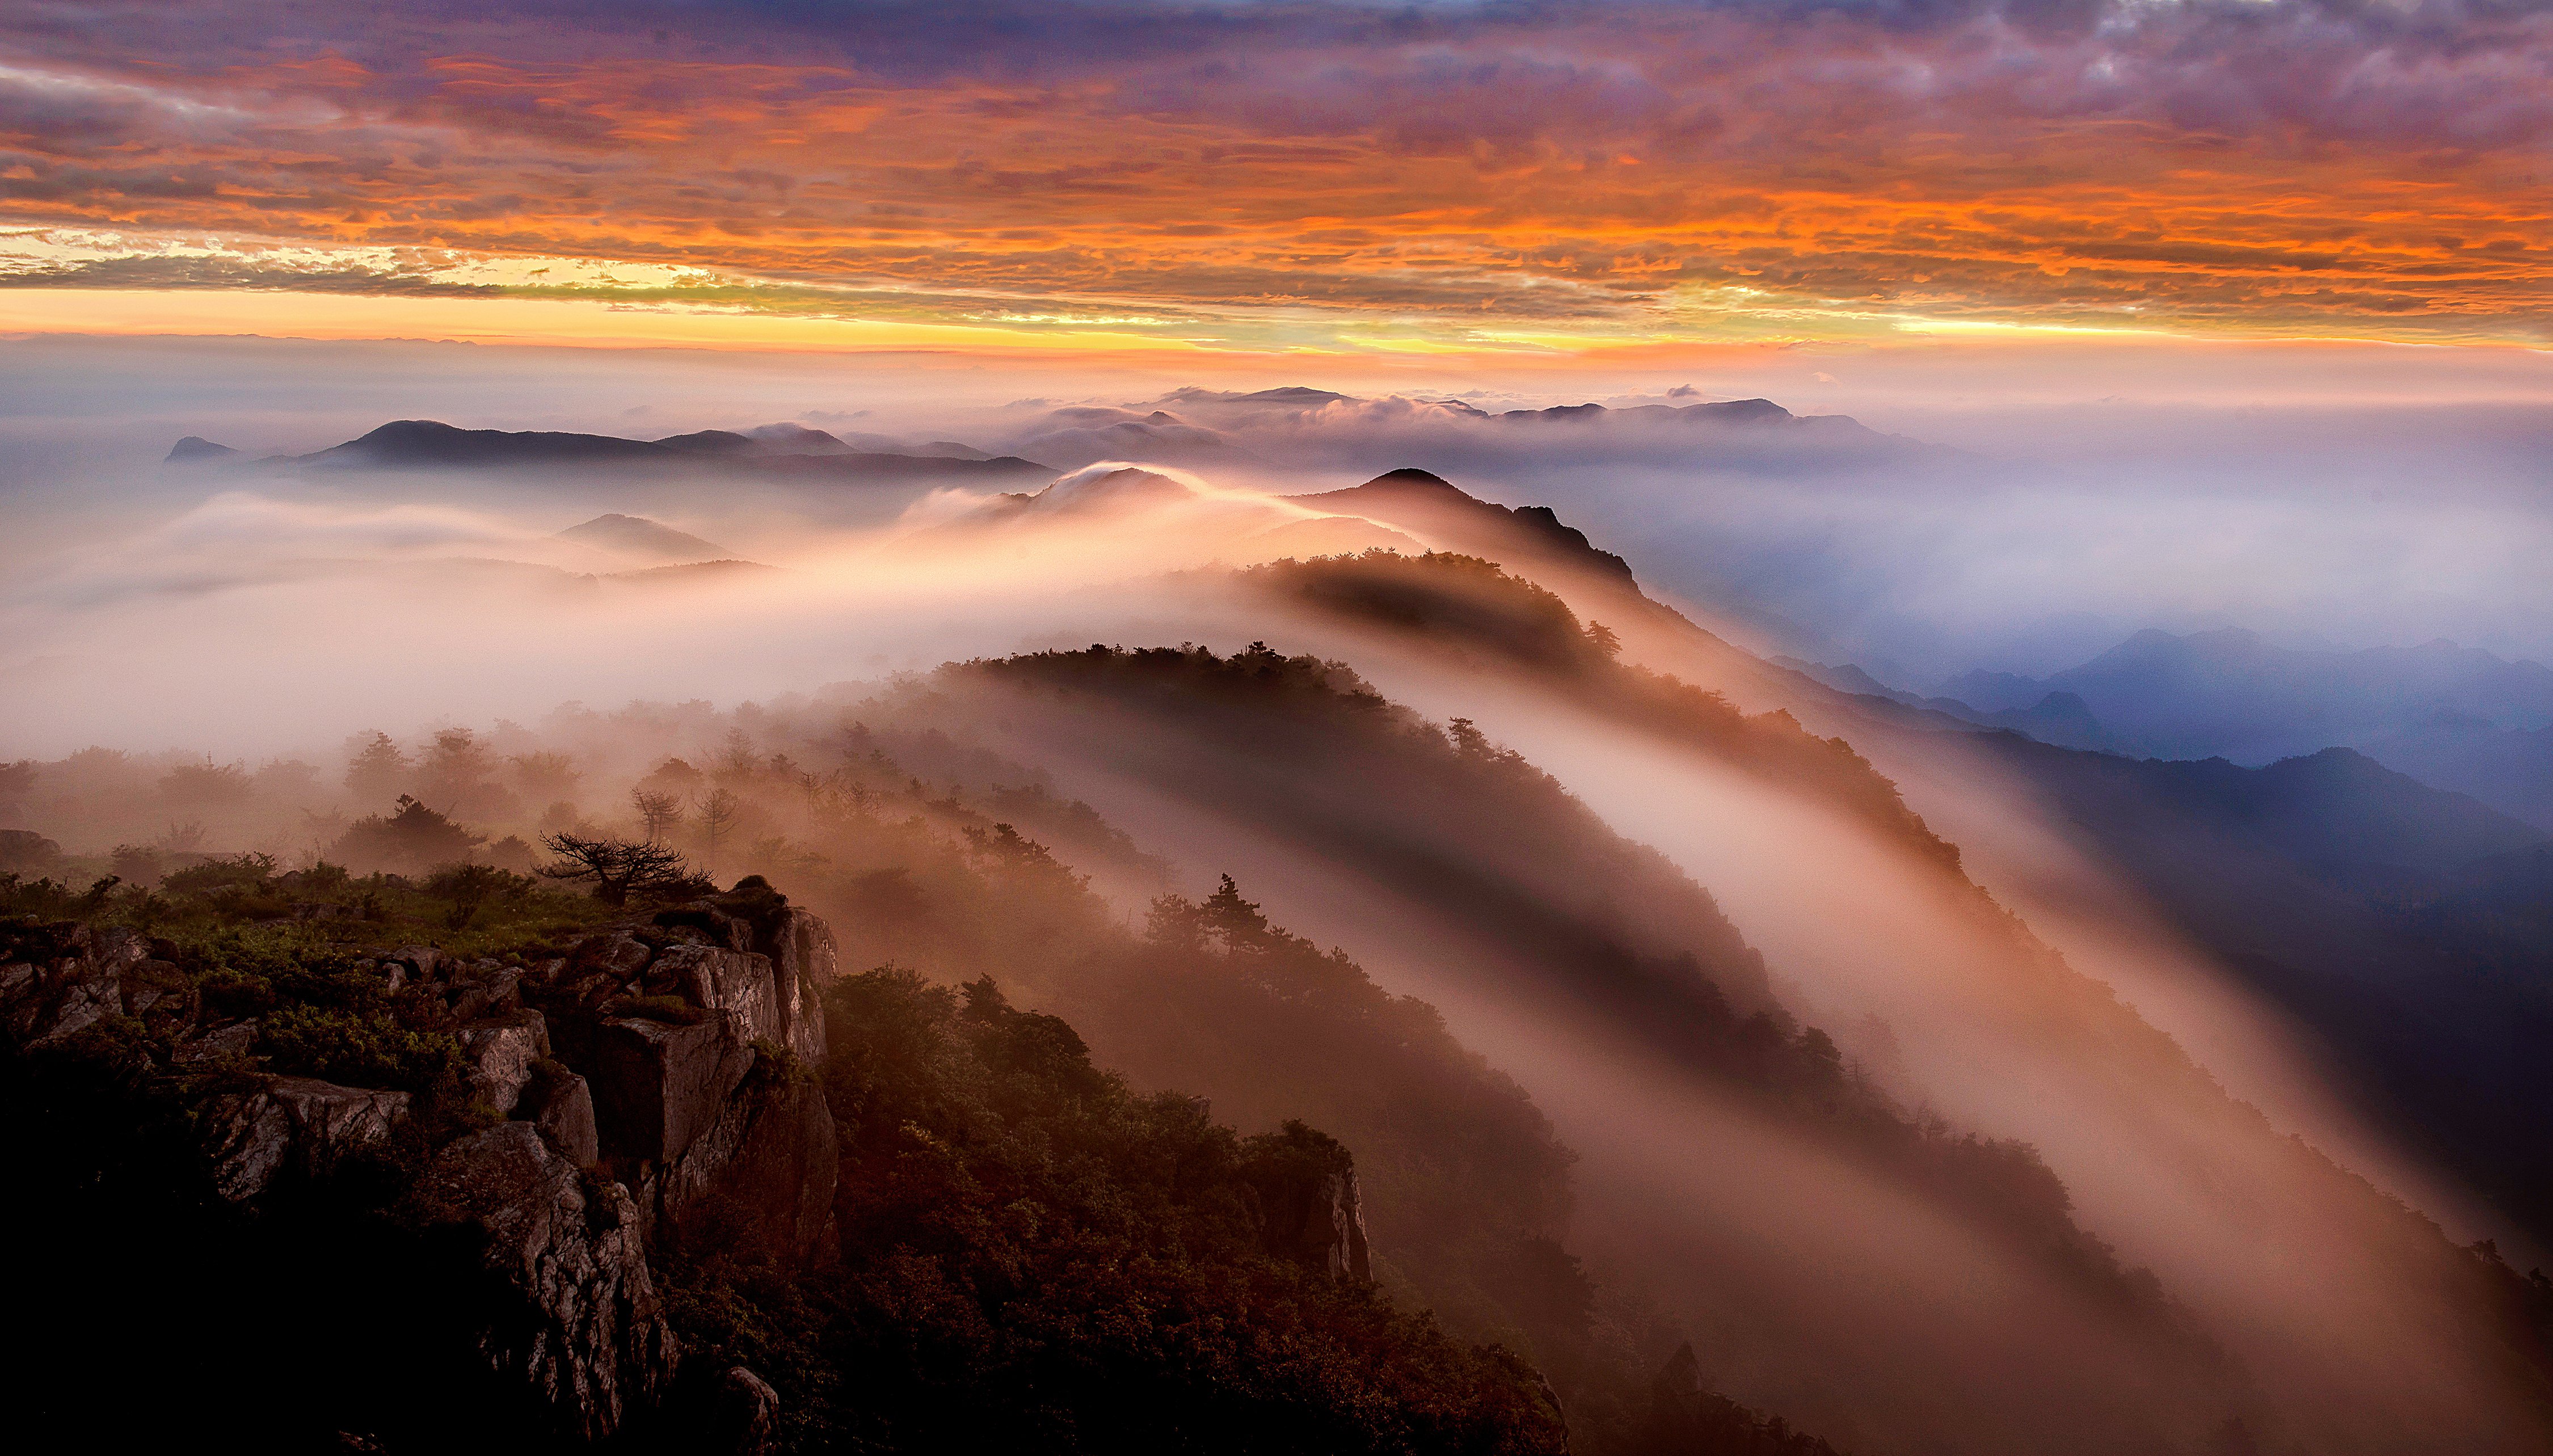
(1472, 181)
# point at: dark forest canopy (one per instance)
(1474, 609)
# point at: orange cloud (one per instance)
(1632, 174)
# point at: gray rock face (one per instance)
(721, 1145)
(803, 965)
(657, 1087)
(1319, 1223)
(799, 944)
(561, 1106)
(295, 1123)
(736, 983)
(1312, 1213)
(501, 1052)
(586, 1333)
(759, 1178)
(70, 979)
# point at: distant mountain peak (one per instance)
(1109, 484)
(1425, 501)
(398, 430)
(636, 535)
(793, 436)
(196, 450)
(713, 442)
(1741, 409)
(1409, 478)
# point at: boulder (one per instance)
(579, 1328)
(420, 960)
(717, 925)
(291, 1124)
(742, 1411)
(501, 1050)
(82, 994)
(659, 1087)
(488, 993)
(618, 955)
(560, 1104)
(21, 982)
(154, 984)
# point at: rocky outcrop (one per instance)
(695, 1034)
(579, 1325)
(654, 1087)
(734, 983)
(295, 1125)
(59, 981)
(797, 944)
(1310, 1210)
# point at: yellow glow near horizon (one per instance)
(190, 311)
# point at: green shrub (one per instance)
(363, 1049)
(242, 875)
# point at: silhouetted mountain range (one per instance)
(794, 453)
(2510, 768)
(1213, 429)
(2060, 717)
(2454, 717)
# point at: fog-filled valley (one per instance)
(1683, 924)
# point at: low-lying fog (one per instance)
(251, 615)
(1983, 514)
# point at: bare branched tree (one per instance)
(619, 868)
(658, 811)
(717, 812)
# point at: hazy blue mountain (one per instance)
(2059, 716)
(2233, 693)
(2512, 768)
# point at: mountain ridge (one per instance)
(426, 444)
